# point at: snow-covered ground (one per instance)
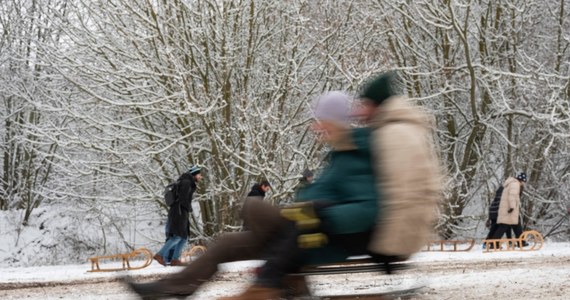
(543, 274)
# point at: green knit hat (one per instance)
(379, 88)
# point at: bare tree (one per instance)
(104, 102)
(26, 90)
(477, 65)
(158, 86)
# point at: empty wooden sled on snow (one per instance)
(450, 245)
(142, 256)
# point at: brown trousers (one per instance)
(262, 222)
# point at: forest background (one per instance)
(104, 102)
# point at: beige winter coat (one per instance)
(510, 199)
(409, 178)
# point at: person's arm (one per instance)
(514, 190)
(184, 195)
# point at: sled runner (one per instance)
(301, 291)
(194, 252)
(528, 241)
(362, 265)
(142, 256)
(307, 221)
(395, 294)
(450, 245)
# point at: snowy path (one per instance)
(515, 275)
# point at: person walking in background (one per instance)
(307, 177)
(493, 213)
(509, 207)
(178, 224)
(305, 180)
(259, 189)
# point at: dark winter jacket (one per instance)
(344, 195)
(494, 207)
(303, 184)
(256, 191)
(346, 184)
(179, 212)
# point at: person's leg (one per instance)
(518, 230)
(229, 247)
(282, 257)
(492, 229)
(170, 243)
(177, 252)
(162, 256)
(168, 258)
(262, 220)
(501, 230)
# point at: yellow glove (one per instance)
(303, 214)
(305, 218)
(312, 240)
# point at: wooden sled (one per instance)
(363, 265)
(194, 252)
(141, 254)
(450, 245)
(396, 294)
(350, 266)
(532, 237)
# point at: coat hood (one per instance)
(187, 176)
(399, 109)
(510, 181)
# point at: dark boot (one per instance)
(153, 291)
(159, 259)
(177, 262)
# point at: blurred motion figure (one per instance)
(407, 167)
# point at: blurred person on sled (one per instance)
(407, 187)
